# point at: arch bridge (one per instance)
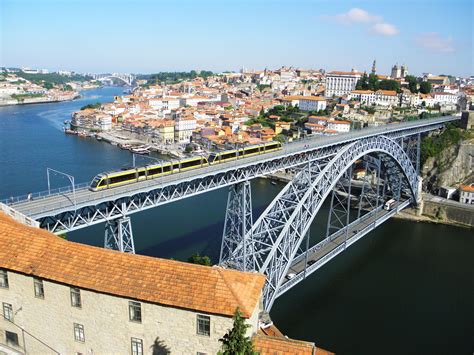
(127, 79)
(353, 182)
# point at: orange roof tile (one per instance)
(215, 290)
(467, 188)
(271, 345)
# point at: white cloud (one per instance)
(434, 42)
(360, 16)
(356, 15)
(385, 29)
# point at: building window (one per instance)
(135, 311)
(137, 346)
(39, 289)
(11, 338)
(8, 311)
(203, 325)
(76, 297)
(79, 332)
(3, 279)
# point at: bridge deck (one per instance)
(53, 204)
(321, 253)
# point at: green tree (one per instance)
(200, 259)
(280, 138)
(373, 83)
(389, 85)
(189, 148)
(47, 85)
(362, 83)
(425, 87)
(235, 342)
(94, 106)
(412, 83)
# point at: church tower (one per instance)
(374, 67)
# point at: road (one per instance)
(317, 255)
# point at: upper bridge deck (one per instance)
(53, 204)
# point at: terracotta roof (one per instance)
(467, 188)
(34, 251)
(301, 97)
(335, 72)
(270, 345)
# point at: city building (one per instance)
(69, 298)
(183, 129)
(378, 98)
(398, 72)
(339, 126)
(339, 83)
(466, 194)
(306, 103)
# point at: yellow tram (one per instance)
(119, 178)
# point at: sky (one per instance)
(142, 36)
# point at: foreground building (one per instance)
(64, 297)
(60, 297)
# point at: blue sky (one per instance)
(149, 36)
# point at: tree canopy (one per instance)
(200, 259)
(425, 87)
(412, 83)
(372, 82)
(235, 342)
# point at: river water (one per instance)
(404, 288)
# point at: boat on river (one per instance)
(140, 150)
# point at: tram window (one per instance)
(166, 168)
(175, 166)
(122, 178)
(251, 151)
(142, 173)
(195, 162)
(154, 171)
(212, 157)
(229, 155)
(103, 182)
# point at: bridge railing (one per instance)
(44, 194)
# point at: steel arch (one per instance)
(279, 231)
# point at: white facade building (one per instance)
(466, 194)
(378, 98)
(306, 103)
(164, 104)
(339, 126)
(183, 129)
(339, 83)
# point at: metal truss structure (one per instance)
(71, 210)
(237, 229)
(277, 235)
(119, 236)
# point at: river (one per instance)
(405, 288)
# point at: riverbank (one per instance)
(37, 100)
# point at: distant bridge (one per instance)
(278, 244)
(125, 78)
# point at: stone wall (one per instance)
(107, 328)
(448, 211)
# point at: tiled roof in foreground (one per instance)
(275, 345)
(36, 252)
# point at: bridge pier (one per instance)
(236, 248)
(119, 235)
